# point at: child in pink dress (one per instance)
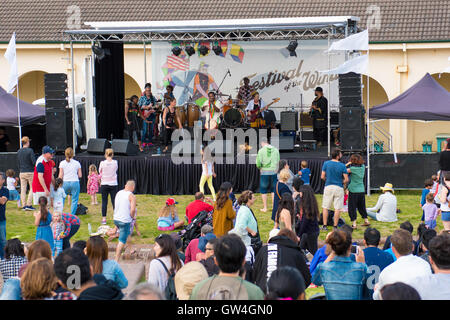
(93, 183)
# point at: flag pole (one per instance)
(18, 116)
(368, 126)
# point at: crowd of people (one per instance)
(226, 259)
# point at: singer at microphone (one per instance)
(245, 91)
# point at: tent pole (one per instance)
(368, 128)
(73, 97)
(328, 107)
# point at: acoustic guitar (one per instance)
(256, 114)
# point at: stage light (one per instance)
(217, 50)
(99, 52)
(189, 50)
(203, 50)
(291, 48)
(176, 51)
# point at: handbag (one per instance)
(256, 242)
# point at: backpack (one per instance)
(330, 220)
(81, 210)
(170, 292)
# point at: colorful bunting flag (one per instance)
(237, 53)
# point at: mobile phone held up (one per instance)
(355, 249)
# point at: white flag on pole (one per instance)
(358, 41)
(357, 65)
(10, 55)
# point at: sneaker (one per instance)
(29, 208)
(324, 228)
(104, 221)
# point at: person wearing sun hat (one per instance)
(386, 208)
(168, 216)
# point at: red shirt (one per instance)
(45, 167)
(195, 207)
(191, 251)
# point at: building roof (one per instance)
(400, 20)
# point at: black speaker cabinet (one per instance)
(124, 147)
(350, 89)
(286, 143)
(289, 120)
(98, 146)
(59, 128)
(55, 86)
(352, 134)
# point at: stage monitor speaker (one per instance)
(286, 143)
(59, 128)
(55, 89)
(305, 120)
(289, 120)
(98, 146)
(124, 147)
(352, 133)
(350, 89)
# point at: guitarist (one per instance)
(147, 103)
(254, 107)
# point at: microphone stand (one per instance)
(228, 73)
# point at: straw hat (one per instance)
(387, 187)
(187, 277)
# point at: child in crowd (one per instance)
(305, 173)
(430, 211)
(93, 183)
(58, 228)
(11, 184)
(434, 177)
(426, 190)
(58, 196)
(346, 194)
(168, 217)
(52, 187)
(208, 172)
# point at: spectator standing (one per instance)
(97, 252)
(93, 183)
(224, 213)
(166, 262)
(436, 286)
(308, 226)
(4, 196)
(444, 197)
(72, 225)
(335, 175)
(351, 282)
(91, 287)
(285, 215)
(70, 172)
(198, 205)
(109, 186)
(283, 165)
(11, 185)
(14, 259)
(26, 161)
(406, 267)
(357, 195)
(42, 220)
(280, 188)
(227, 285)
(305, 173)
(386, 208)
(43, 175)
(267, 161)
(281, 250)
(430, 211)
(124, 212)
(444, 161)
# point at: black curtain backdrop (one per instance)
(159, 176)
(110, 92)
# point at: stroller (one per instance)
(192, 230)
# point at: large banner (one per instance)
(268, 65)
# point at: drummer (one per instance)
(168, 95)
(245, 91)
(210, 106)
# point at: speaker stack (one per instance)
(288, 127)
(351, 115)
(59, 128)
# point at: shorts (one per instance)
(124, 230)
(267, 183)
(37, 195)
(445, 215)
(333, 196)
(13, 195)
(431, 224)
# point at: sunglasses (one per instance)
(209, 248)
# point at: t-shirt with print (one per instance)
(334, 173)
(4, 192)
(226, 288)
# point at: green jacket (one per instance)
(268, 158)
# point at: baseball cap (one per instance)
(171, 202)
(47, 149)
(319, 89)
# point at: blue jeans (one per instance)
(11, 290)
(2, 238)
(66, 240)
(72, 188)
(147, 129)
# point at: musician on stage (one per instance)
(170, 120)
(245, 91)
(147, 103)
(211, 109)
(133, 119)
(168, 95)
(319, 114)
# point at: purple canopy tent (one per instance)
(426, 100)
(29, 113)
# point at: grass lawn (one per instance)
(20, 223)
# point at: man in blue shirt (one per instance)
(4, 195)
(147, 103)
(335, 175)
(376, 259)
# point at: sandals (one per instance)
(366, 224)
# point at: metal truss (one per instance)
(322, 32)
